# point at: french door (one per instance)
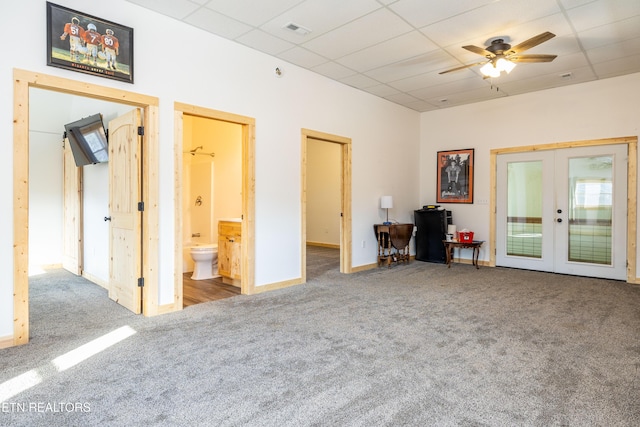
(563, 211)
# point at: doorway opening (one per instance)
(552, 223)
(211, 194)
(23, 81)
(214, 184)
(337, 198)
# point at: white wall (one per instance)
(45, 199)
(222, 75)
(602, 109)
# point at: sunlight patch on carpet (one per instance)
(31, 378)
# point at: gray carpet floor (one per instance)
(410, 345)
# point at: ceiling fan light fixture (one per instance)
(505, 65)
(490, 70)
(495, 67)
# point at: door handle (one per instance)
(107, 218)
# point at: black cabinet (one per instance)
(431, 227)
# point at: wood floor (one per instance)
(197, 291)
(319, 260)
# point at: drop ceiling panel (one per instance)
(448, 89)
(384, 91)
(359, 81)
(611, 33)
(251, 12)
(333, 70)
(430, 79)
(614, 51)
(618, 67)
(492, 20)
(216, 23)
(417, 65)
(367, 31)
(178, 9)
(541, 82)
(602, 12)
(259, 40)
(467, 97)
(302, 57)
(419, 14)
(403, 47)
(396, 49)
(315, 16)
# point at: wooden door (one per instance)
(125, 225)
(72, 213)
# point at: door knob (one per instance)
(107, 218)
(559, 219)
(559, 211)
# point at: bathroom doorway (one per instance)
(211, 191)
(214, 184)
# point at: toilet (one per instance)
(205, 261)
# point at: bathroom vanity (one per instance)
(229, 250)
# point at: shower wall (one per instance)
(200, 210)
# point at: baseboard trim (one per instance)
(277, 285)
(169, 308)
(6, 342)
(324, 245)
(363, 267)
(94, 279)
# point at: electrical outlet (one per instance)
(483, 201)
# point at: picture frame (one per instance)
(81, 42)
(455, 176)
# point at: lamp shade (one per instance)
(386, 202)
(505, 65)
(489, 70)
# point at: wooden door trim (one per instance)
(247, 281)
(632, 170)
(22, 81)
(345, 196)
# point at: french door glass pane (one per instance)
(590, 209)
(524, 209)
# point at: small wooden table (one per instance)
(451, 246)
(393, 242)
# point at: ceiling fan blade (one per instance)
(479, 50)
(532, 58)
(533, 41)
(461, 68)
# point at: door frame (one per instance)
(247, 263)
(345, 197)
(632, 153)
(22, 81)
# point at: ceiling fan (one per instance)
(502, 56)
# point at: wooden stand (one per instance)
(393, 242)
(451, 246)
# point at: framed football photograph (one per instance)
(87, 44)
